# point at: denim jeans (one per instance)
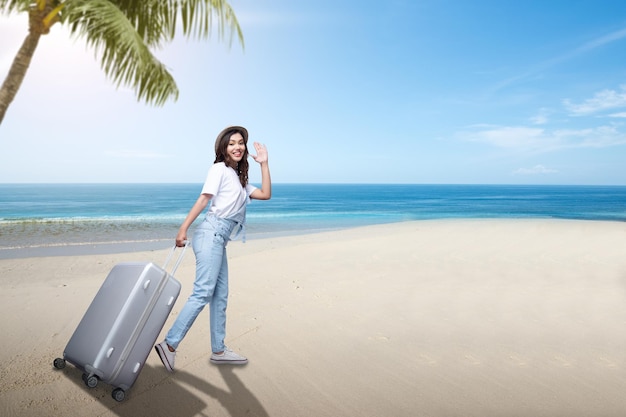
(211, 283)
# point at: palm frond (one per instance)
(125, 57)
(11, 6)
(197, 17)
(156, 20)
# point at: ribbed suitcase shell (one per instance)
(120, 327)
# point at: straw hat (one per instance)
(240, 129)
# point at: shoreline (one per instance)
(58, 249)
(117, 247)
(444, 318)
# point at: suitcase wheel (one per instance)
(118, 394)
(59, 363)
(90, 380)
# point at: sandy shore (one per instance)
(431, 318)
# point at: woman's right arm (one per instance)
(195, 211)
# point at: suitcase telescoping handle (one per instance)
(180, 257)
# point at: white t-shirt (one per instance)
(223, 184)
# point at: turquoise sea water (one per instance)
(55, 218)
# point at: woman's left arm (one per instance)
(265, 192)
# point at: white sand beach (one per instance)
(428, 318)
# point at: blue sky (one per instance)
(416, 91)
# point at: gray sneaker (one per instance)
(166, 356)
(228, 357)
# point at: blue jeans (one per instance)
(211, 284)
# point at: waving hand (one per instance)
(261, 153)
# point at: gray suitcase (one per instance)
(119, 329)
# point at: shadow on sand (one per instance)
(157, 393)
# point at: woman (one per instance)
(227, 189)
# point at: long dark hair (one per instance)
(222, 156)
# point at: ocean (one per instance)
(66, 219)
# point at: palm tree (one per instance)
(122, 33)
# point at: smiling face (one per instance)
(236, 148)
(231, 149)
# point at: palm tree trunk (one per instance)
(16, 74)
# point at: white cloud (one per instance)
(531, 139)
(599, 137)
(507, 136)
(564, 57)
(541, 118)
(603, 100)
(536, 170)
(618, 115)
(603, 40)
